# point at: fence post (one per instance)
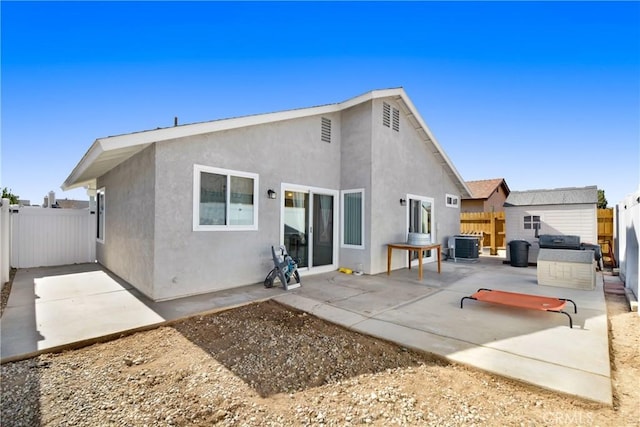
(494, 231)
(5, 236)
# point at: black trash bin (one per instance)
(519, 253)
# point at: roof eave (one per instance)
(437, 151)
(84, 174)
(89, 157)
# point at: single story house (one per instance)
(566, 211)
(196, 208)
(487, 195)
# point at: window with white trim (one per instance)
(452, 201)
(100, 214)
(353, 219)
(224, 200)
(532, 222)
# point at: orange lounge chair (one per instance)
(532, 302)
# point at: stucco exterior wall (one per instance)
(628, 214)
(579, 220)
(150, 240)
(472, 205)
(355, 163)
(128, 248)
(495, 202)
(190, 262)
(402, 164)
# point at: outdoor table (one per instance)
(413, 248)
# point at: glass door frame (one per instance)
(311, 191)
(432, 256)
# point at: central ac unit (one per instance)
(466, 247)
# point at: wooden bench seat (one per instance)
(526, 301)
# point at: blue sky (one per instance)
(545, 95)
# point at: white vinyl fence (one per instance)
(44, 237)
(5, 237)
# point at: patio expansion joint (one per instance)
(71, 298)
(372, 316)
(473, 344)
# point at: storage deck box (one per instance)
(567, 268)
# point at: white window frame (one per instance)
(101, 210)
(343, 222)
(431, 200)
(197, 173)
(454, 203)
(532, 222)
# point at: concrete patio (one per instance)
(52, 308)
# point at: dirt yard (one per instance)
(267, 365)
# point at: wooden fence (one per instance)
(605, 236)
(490, 226)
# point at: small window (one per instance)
(452, 201)
(224, 199)
(325, 130)
(532, 222)
(100, 214)
(353, 219)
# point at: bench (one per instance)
(526, 301)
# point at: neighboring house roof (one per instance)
(107, 153)
(483, 189)
(72, 204)
(556, 196)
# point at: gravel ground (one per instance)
(267, 365)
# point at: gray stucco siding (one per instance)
(128, 248)
(189, 262)
(401, 165)
(355, 160)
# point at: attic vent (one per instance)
(386, 114)
(325, 131)
(390, 117)
(396, 120)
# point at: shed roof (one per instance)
(107, 153)
(555, 196)
(484, 188)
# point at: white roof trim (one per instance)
(107, 153)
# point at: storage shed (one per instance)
(558, 211)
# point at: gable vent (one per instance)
(396, 120)
(386, 114)
(325, 130)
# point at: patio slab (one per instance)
(52, 307)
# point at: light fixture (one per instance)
(403, 202)
(272, 194)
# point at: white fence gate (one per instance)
(44, 237)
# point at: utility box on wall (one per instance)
(567, 268)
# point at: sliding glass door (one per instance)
(309, 229)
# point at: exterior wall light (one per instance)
(403, 202)
(272, 194)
